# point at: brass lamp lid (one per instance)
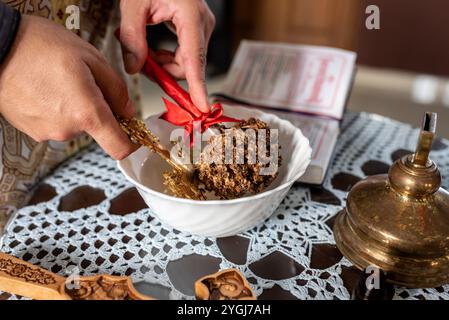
(400, 222)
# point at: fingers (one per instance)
(104, 128)
(133, 33)
(113, 87)
(191, 54)
(175, 68)
(164, 57)
(167, 60)
(95, 115)
(194, 24)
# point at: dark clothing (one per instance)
(9, 23)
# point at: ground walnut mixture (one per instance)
(235, 179)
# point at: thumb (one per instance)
(133, 34)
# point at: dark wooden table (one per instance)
(88, 219)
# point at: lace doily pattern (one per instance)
(87, 217)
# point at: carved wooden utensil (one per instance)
(228, 284)
(22, 278)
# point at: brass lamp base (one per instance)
(409, 272)
(400, 222)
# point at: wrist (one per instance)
(9, 24)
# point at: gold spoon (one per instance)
(25, 279)
(180, 181)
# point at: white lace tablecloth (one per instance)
(292, 255)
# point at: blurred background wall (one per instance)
(403, 68)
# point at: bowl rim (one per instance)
(229, 201)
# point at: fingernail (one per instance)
(130, 59)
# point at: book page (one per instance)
(322, 135)
(307, 79)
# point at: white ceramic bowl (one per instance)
(217, 218)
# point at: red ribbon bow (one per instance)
(184, 113)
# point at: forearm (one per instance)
(9, 23)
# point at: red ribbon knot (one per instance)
(183, 112)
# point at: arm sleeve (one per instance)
(9, 23)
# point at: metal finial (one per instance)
(425, 139)
(429, 122)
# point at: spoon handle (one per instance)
(179, 181)
(22, 278)
(140, 134)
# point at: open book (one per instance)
(307, 85)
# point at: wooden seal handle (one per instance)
(22, 278)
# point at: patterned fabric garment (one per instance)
(23, 161)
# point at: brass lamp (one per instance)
(400, 222)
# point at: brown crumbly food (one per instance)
(235, 179)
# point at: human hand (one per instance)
(54, 86)
(193, 22)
